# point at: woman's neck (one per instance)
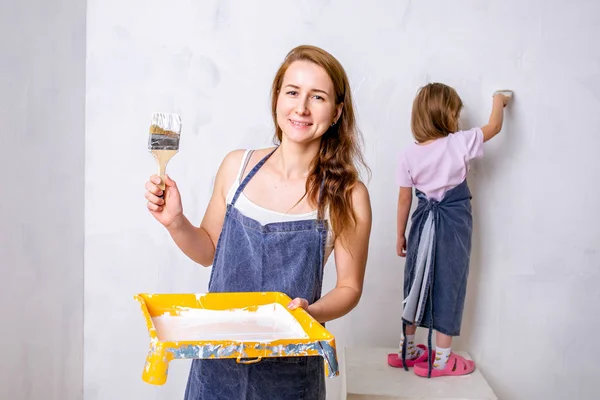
(293, 160)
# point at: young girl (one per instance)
(439, 246)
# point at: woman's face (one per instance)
(306, 102)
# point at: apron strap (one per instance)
(244, 165)
(253, 172)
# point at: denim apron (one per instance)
(284, 257)
(437, 263)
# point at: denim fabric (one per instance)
(284, 257)
(453, 225)
(414, 304)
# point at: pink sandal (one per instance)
(395, 359)
(456, 365)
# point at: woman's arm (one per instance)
(350, 261)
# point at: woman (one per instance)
(274, 218)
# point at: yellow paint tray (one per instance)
(245, 326)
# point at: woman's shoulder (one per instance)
(250, 157)
(235, 157)
(232, 162)
(360, 190)
(361, 201)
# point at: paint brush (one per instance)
(164, 140)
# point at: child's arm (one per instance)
(496, 118)
(404, 203)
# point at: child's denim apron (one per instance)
(437, 262)
(284, 257)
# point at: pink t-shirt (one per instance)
(441, 165)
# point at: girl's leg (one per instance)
(443, 348)
(412, 351)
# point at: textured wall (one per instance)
(535, 261)
(42, 97)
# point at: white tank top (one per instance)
(266, 216)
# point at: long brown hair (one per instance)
(340, 150)
(435, 112)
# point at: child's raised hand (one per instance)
(502, 96)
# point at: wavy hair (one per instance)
(340, 150)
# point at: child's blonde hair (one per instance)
(435, 112)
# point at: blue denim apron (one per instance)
(284, 257)
(437, 263)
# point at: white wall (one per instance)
(535, 260)
(42, 94)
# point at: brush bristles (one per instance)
(507, 93)
(165, 124)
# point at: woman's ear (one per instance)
(338, 112)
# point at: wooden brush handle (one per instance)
(162, 158)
